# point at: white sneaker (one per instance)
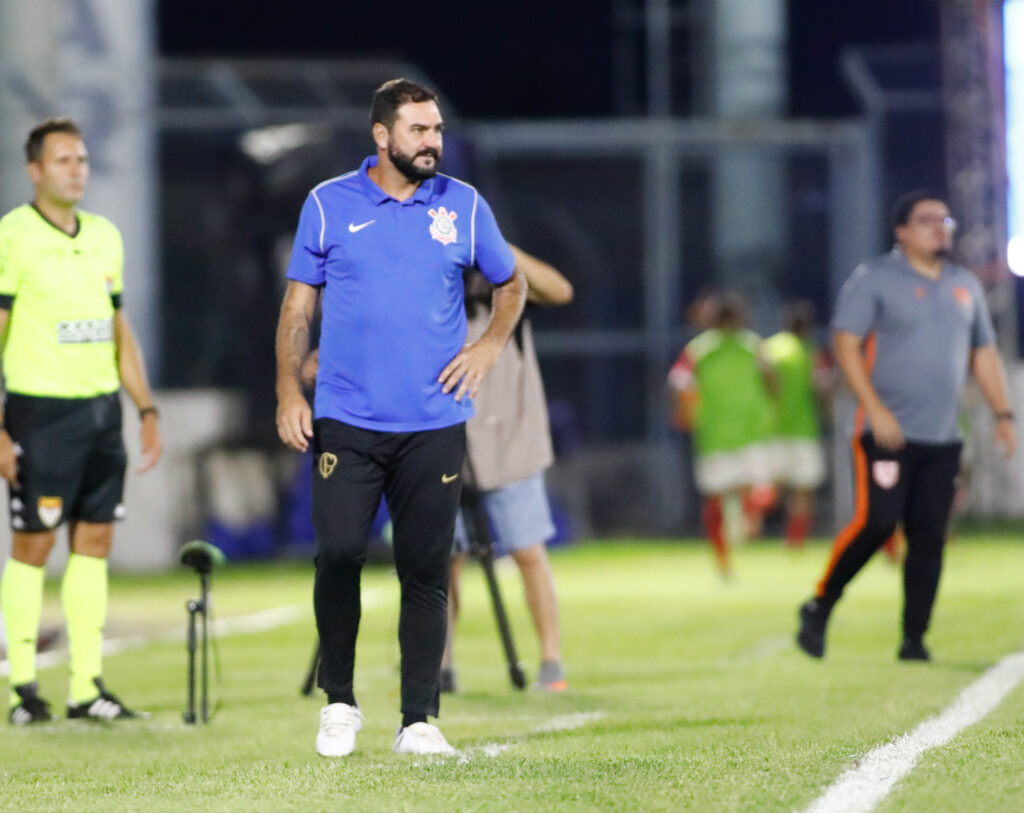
(421, 738)
(339, 723)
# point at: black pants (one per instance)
(914, 485)
(420, 475)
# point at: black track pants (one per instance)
(420, 475)
(915, 486)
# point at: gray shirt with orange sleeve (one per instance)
(919, 334)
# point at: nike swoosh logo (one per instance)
(353, 228)
(447, 478)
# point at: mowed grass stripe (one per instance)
(861, 788)
(684, 694)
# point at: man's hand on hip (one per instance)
(886, 429)
(468, 368)
(295, 421)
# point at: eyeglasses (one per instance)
(947, 222)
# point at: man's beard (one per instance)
(404, 163)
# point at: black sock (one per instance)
(349, 698)
(409, 719)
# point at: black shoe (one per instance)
(447, 681)
(32, 708)
(811, 636)
(107, 706)
(913, 649)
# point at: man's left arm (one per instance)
(987, 369)
(467, 370)
(132, 372)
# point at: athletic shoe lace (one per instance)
(338, 718)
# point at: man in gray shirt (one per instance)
(908, 327)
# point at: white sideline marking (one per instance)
(567, 722)
(863, 786)
(764, 648)
(490, 750)
(221, 627)
(464, 756)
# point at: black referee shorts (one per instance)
(72, 460)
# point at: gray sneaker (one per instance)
(551, 677)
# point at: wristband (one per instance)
(150, 410)
(1005, 415)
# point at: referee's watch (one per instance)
(150, 410)
(1005, 415)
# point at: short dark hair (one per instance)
(899, 215)
(38, 134)
(392, 95)
(732, 310)
(798, 317)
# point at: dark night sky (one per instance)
(527, 58)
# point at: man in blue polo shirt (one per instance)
(387, 245)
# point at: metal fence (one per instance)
(635, 211)
(628, 209)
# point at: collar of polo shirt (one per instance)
(424, 192)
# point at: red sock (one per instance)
(797, 528)
(759, 499)
(711, 515)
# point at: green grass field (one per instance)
(686, 694)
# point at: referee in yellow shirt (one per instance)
(67, 351)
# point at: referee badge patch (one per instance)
(886, 473)
(50, 510)
(442, 228)
(327, 463)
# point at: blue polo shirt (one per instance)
(393, 300)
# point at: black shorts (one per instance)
(71, 463)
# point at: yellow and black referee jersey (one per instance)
(61, 292)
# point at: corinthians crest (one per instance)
(443, 228)
(327, 463)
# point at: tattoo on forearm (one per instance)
(506, 307)
(293, 344)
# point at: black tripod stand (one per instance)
(482, 547)
(201, 557)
